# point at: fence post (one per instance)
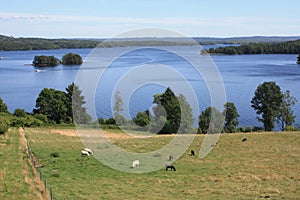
(51, 195)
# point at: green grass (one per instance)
(16, 175)
(266, 165)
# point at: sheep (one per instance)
(85, 153)
(135, 164)
(192, 153)
(170, 166)
(88, 150)
(244, 139)
(171, 157)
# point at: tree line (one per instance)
(289, 47)
(22, 44)
(171, 113)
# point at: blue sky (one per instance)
(107, 18)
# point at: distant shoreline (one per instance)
(27, 44)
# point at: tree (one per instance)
(3, 107)
(72, 59)
(285, 115)
(142, 119)
(267, 101)
(168, 111)
(211, 121)
(231, 117)
(75, 105)
(118, 108)
(54, 104)
(20, 113)
(186, 123)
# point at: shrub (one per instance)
(4, 124)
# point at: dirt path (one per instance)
(37, 188)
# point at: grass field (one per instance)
(17, 177)
(267, 165)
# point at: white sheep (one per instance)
(135, 164)
(85, 153)
(88, 150)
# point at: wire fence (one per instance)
(33, 159)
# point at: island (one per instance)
(72, 59)
(45, 61)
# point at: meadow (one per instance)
(265, 166)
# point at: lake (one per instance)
(20, 84)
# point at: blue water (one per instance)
(20, 84)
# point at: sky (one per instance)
(108, 18)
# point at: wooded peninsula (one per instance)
(289, 47)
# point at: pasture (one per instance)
(266, 166)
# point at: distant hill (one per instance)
(12, 43)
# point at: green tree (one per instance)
(72, 59)
(142, 119)
(3, 107)
(285, 115)
(211, 121)
(118, 108)
(20, 113)
(168, 111)
(186, 123)
(267, 101)
(75, 105)
(231, 117)
(54, 104)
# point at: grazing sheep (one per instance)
(192, 152)
(85, 153)
(170, 166)
(135, 164)
(171, 157)
(88, 150)
(244, 139)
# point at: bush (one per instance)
(291, 128)
(4, 124)
(28, 121)
(20, 113)
(247, 129)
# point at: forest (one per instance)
(289, 47)
(9, 43)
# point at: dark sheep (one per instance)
(171, 157)
(170, 166)
(192, 153)
(244, 139)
